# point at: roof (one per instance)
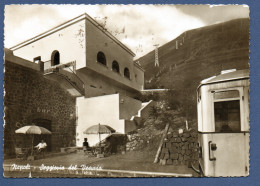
(238, 74)
(68, 23)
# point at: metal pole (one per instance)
(99, 139)
(99, 143)
(32, 144)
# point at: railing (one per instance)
(68, 74)
(73, 79)
(61, 66)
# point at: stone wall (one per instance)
(179, 149)
(135, 141)
(29, 97)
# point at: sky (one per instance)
(139, 27)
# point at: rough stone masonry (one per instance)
(29, 96)
(179, 149)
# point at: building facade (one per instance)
(102, 62)
(32, 99)
(99, 80)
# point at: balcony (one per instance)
(65, 75)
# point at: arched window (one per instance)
(55, 58)
(101, 58)
(127, 73)
(115, 66)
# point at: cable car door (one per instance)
(229, 144)
(230, 156)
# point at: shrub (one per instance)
(154, 112)
(145, 97)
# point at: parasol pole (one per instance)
(32, 144)
(99, 134)
(99, 139)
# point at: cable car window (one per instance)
(226, 94)
(227, 116)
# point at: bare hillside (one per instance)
(198, 54)
(195, 55)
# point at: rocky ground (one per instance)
(147, 138)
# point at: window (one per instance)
(101, 58)
(55, 58)
(93, 86)
(226, 94)
(127, 73)
(227, 111)
(115, 66)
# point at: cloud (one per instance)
(25, 21)
(137, 26)
(146, 25)
(211, 14)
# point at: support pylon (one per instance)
(156, 55)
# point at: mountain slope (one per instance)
(196, 55)
(200, 53)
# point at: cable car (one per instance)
(223, 124)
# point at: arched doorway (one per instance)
(47, 138)
(55, 58)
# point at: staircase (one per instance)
(142, 115)
(67, 78)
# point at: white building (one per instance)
(96, 68)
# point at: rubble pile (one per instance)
(180, 145)
(135, 141)
(144, 137)
(150, 134)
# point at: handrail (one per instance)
(72, 83)
(76, 76)
(70, 75)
